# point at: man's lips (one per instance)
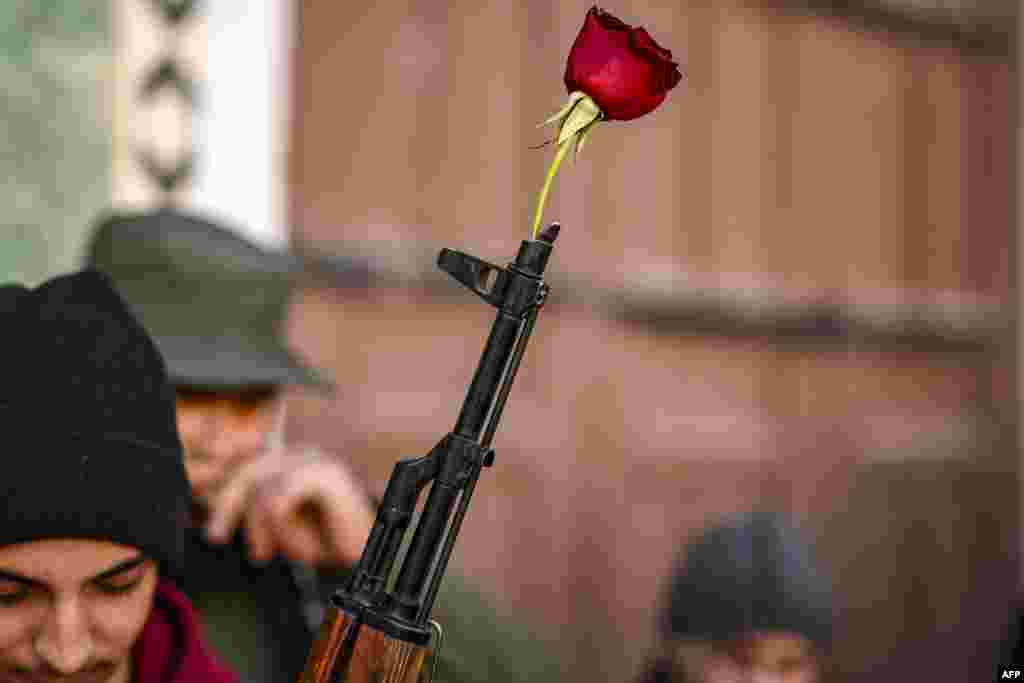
(95, 674)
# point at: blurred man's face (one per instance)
(71, 610)
(766, 657)
(223, 430)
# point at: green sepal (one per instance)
(561, 113)
(581, 138)
(584, 113)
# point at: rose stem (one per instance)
(552, 170)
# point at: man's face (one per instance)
(223, 430)
(763, 657)
(71, 610)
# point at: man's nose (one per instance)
(233, 441)
(228, 450)
(64, 641)
(210, 433)
(197, 427)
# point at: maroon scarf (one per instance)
(170, 648)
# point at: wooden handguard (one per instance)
(375, 658)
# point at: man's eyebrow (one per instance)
(121, 568)
(18, 578)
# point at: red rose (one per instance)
(615, 72)
(620, 67)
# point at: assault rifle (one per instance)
(379, 629)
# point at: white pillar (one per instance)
(243, 117)
(161, 125)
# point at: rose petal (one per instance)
(607, 20)
(642, 41)
(620, 67)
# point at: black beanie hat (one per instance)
(91, 447)
(753, 573)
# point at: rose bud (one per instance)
(621, 67)
(615, 72)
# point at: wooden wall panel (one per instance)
(849, 175)
(798, 152)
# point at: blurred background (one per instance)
(792, 286)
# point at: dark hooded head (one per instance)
(751, 575)
(107, 463)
